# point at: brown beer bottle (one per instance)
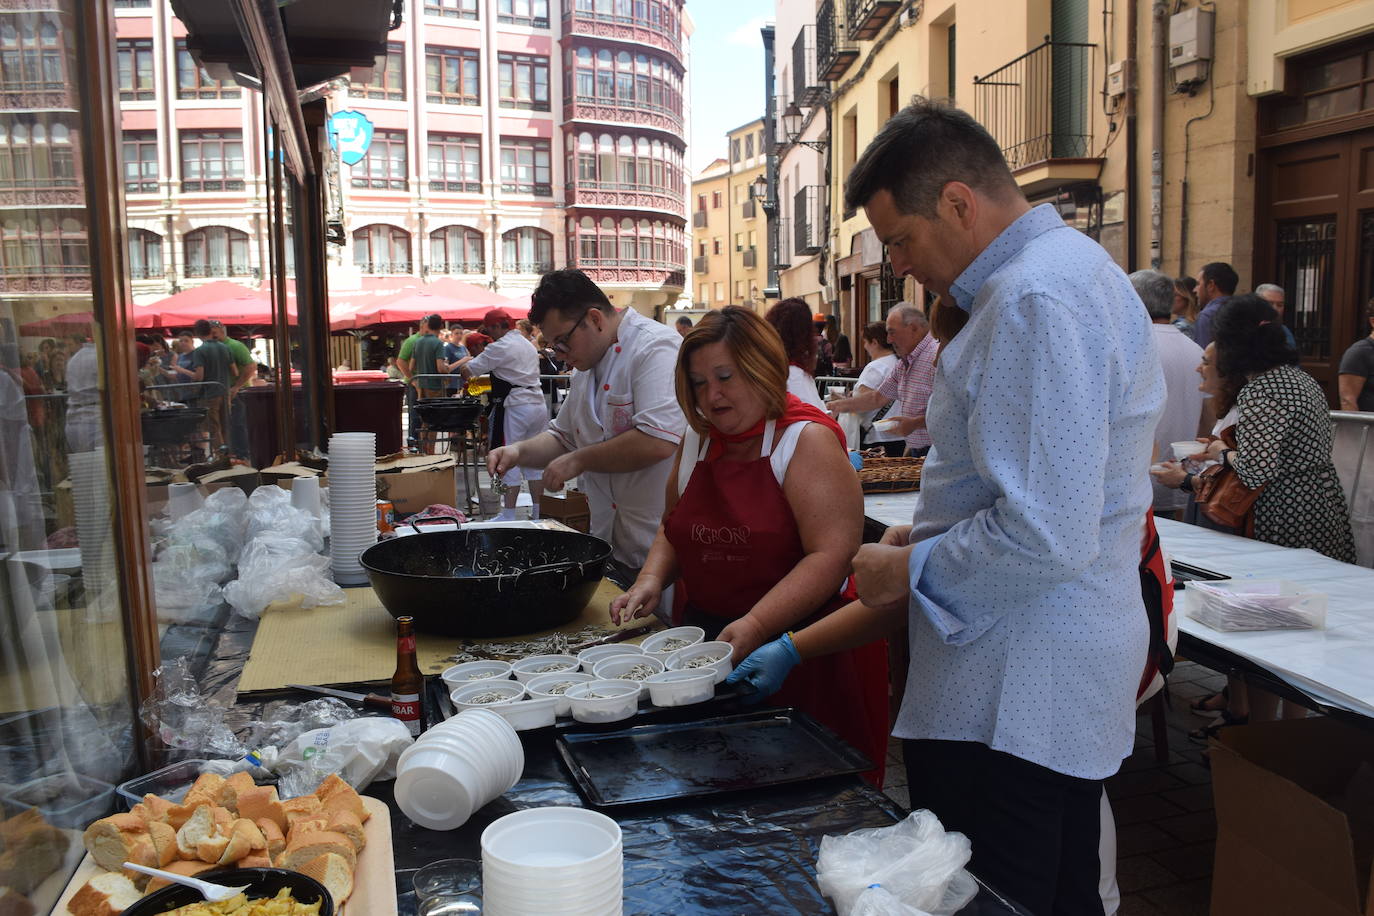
(407, 684)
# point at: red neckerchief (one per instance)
(793, 411)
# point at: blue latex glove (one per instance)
(766, 668)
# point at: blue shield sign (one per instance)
(350, 132)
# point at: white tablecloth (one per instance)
(1334, 665)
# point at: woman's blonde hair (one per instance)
(754, 346)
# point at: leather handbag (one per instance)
(1222, 497)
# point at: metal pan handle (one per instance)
(433, 524)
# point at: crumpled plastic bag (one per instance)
(270, 511)
(277, 567)
(916, 862)
(359, 750)
(223, 519)
(877, 900)
(186, 579)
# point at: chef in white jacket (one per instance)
(519, 409)
(621, 424)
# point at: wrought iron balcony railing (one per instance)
(807, 89)
(784, 252)
(835, 50)
(751, 258)
(701, 264)
(1038, 106)
(867, 17)
(807, 211)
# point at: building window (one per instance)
(47, 242)
(720, 291)
(734, 150)
(455, 163)
(627, 164)
(701, 201)
(452, 76)
(525, 167)
(715, 200)
(194, 83)
(627, 243)
(527, 251)
(452, 9)
(524, 12)
(638, 82)
(715, 246)
(381, 249)
(30, 53)
(217, 251)
(135, 57)
(36, 153)
(212, 160)
(659, 15)
(457, 250)
(524, 81)
(140, 161)
(132, 4)
(384, 166)
(748, 146)
(388, 76)
(145, 254)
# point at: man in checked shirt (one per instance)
(1018, 582)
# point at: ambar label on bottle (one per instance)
(406, 707)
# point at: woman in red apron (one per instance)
(763, 516)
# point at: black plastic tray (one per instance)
(1186, 572)
(732, 753)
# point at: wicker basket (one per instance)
(891, 475)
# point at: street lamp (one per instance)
(792, 127)
(759, 191)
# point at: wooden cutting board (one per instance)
(355, 642)
(374, 880)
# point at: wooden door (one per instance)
(1315, 238)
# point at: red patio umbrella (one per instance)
(59, 325)
(222, 300)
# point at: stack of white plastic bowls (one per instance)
(552, 862)
(352, 503)
(91, 506)
(457, 767)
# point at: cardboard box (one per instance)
(411, 483)
(245, 478)
(1295, 819)
(571, 508)
(283, 475)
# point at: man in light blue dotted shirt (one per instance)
(1018, 582)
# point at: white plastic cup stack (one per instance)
(305, 495)
(183, 499)
(553, 862)
(91, 507)
(352, 503)
(457, 767)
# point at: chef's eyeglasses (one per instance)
(562, 342)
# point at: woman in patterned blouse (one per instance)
(1283, 434)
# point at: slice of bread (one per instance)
(113, 840)
(262, 801)
(188, 868)
(13, 903)
(154, 808)
(276, 841)
(256, 860)
(244, 839)
(307, 846)
(107, 894)
(334, 872)
(347, 823)
(200, 826)
(164, 840)
(334, 794)
(229, 792)
(205, 790)
(301, 808)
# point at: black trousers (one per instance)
(1035, 832)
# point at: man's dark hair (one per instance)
(683, 321)
(570, 291)
(201, 328)
(921, 149)
(1222, 275)
(434, 322)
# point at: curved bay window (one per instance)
(456, 250)
(381, 249)
(42, 243)
(216, 251)
(620, 163)
(660, 15)
(145, 254)
(633, 82)
(527, 250)
(36, 153)
(625, 242)
(31, 53)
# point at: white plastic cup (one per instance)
(1186, 448)
(183, 499)
(305, 494)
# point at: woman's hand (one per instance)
(640, 601)
(745, 635)
(896, 536)
(880, 574)
(1170, 474)
(1215, 449)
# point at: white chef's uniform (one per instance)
(631, 388)
(513, 364)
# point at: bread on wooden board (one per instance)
(347, 823)
(307, 846)
(334, 872)
(116, 839)
(260, 802)
(106, 894)
(335, 793)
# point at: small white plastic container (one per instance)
(1186, 448)
(718, 652)
(618, 667)
(610, 701)
(531, 667)
(467, 672)
(1255, 604)
(512, 690)
(531, 712)
(589, 657)
(538, 686)
(688, 636)
(681, 688)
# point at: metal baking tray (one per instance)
(731, 753)
(1186, 572)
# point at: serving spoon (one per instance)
(208, 889)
